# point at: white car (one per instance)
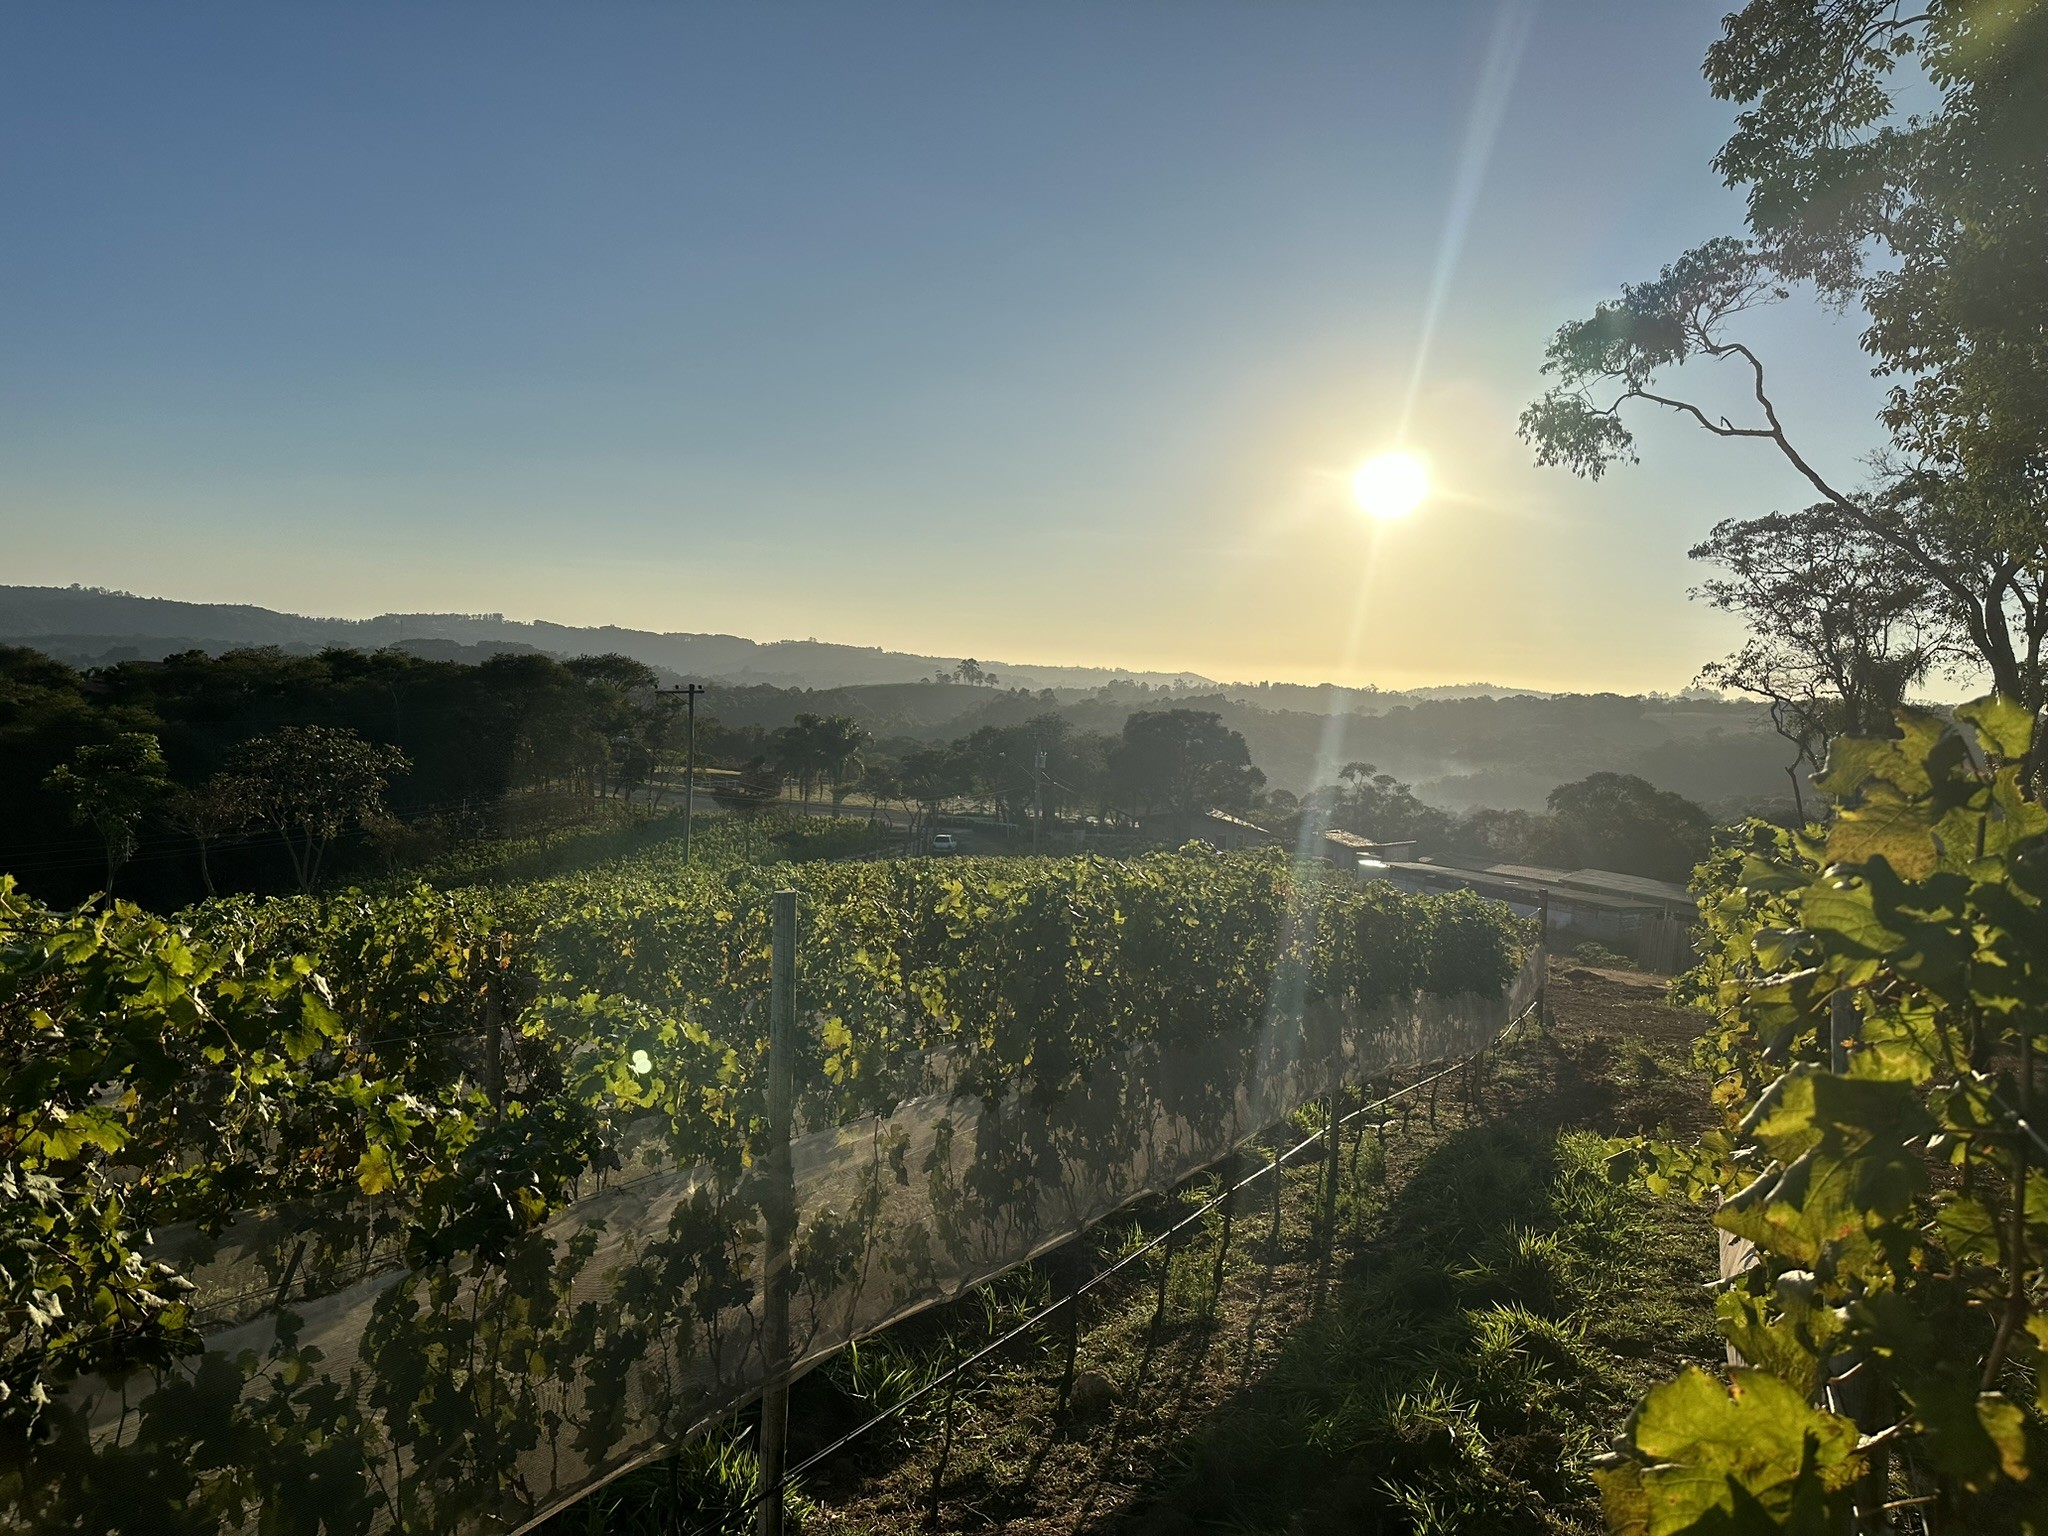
(945, 842)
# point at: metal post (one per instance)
(779, 1213)
(1841, 1029)
(1543, 959)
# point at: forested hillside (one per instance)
(260, 770)
(1508, 752)
(91, 627)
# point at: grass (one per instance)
(1466, 1371)
(1489, 1309)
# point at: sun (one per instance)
(1391, 484)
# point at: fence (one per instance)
(485, 1396)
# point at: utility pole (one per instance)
(688, 694)
(1038, 813)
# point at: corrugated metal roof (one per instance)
(1606, 882)
(1519, 888)
(1537, 872)
(1629, 885)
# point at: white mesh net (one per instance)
(484, 1397)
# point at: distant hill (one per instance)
(92, 626)
(1460, 746)
(88, 626)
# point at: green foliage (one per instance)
(312, 783)
(512, 748)
(1891, 157)
(1379, 806)
(1186, 761)
(136, 1073)
(1620, 822)
(1897, 1208)
(426, 1077)
(816, 749)
(110, 787)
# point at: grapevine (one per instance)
(1879, 987)
(400, 1093)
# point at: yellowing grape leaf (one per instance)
(2004, 726)
(1751, 1456)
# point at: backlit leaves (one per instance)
(1915, 928)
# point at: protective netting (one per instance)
(483, 1397)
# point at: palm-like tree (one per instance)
(812, 748)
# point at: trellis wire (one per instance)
(1037, 1319)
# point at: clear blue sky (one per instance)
(1038, 331)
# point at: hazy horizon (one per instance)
(1030, 661)
(1049, 335)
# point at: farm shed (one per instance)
(1649, 919)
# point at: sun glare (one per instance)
(1391, 484)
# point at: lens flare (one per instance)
(1391, 484)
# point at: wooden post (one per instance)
(494, 1045)
(1332, 1162)
(1073, 1348)
(938, 1487)
(779, 1215)
(1229, 1167)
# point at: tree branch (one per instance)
(1972, 608)
(1725, 428)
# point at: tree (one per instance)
(1934, 225)
(217, 809)
(657, 720)
(1379, 806)
(111, 786)
(1620, 822)
(620, 673)
(883, 786)
(1044, 764)
(312, 784)
(1507, 836)
(931, 777)
(1185, 761)
(609, 724)
(793, 751)
(837, 740)
(815, 747)
(1838, 633)
(1874, 991)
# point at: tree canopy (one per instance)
(1933, 223)
(111, 786)
(1185, 761)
